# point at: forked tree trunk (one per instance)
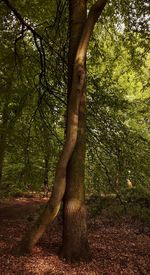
(54, 203)
(75, 243)
(74, 198)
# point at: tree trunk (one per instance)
(75, 106)
(75, 244)
(3, 136)
(54, 203)
(2, 155)
(45, 180)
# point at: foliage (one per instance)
(33, 95)
(135, 202)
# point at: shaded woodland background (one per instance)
(33, 112)
(33, 104)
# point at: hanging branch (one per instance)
(29, 27)
(39, 41)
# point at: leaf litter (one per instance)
(117, 246)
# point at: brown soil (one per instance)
(118, 246)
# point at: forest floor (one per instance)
(119, 246)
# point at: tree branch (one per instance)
(29, 27)
(93, 16)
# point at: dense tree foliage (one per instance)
(35, 46)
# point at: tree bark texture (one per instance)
(74, 207)
(75, 243)
(54, 203)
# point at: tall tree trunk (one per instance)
(75, 244)
(53, 205)
(76, 95)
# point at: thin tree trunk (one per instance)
(3, 136)
(45, 180)
(2, 155)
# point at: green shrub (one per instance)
(138, 195)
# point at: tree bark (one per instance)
(53, 206)
(75, 243)
(74, 105)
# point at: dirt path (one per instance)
(118, 247)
